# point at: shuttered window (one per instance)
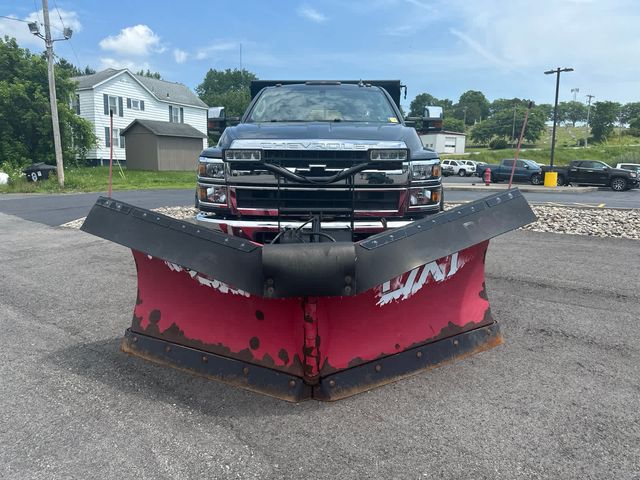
(113, 103)
(176, 114)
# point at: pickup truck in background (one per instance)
(595, 172)
(525, 171)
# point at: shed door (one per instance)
(449, 144)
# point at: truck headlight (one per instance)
(213, 194)
(422, 197)
(424, 171)
(232, 155)
(211, 169)
(633, 174)
(388, 155)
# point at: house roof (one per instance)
(164, 91)
(166, 129)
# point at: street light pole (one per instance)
(557, 71)
(586, 133)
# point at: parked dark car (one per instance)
(595, 172)
(525, 171)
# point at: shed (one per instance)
(156, 145)
(444, 141)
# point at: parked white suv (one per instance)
(462, 168)
(634, 167)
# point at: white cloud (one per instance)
(479, 49)
(215, 48)
(180, 56)
(312, 14)
(138, 40)
(20, 30)
(120, 64)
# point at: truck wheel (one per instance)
(34, 177)
(462, 173)
(560, 181)
(536, 179)
(494, 179)
(618, 184)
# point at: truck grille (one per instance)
(311, 200)
(331, 158)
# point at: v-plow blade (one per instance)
(311, 320)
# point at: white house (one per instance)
(133, 97)
(444, 141)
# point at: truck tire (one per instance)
(494, 179)
(536, 179)
(618, 184)
(561, 181)
(462, 172)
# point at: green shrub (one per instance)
(498, 143)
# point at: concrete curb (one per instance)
(523, 188)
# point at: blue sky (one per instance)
(443, 47)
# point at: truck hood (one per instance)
(318, 130)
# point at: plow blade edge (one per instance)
(321, 320)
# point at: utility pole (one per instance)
(513, 127)
(33, 28)
(557, 71)
(586, 133)
(464, 117)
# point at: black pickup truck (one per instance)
(594, 172)
(525, 171)
(335, 154)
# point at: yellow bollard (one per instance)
(551, 179)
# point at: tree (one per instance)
(229, 89)
(25, 116)
(416, 109)
(603, 119)
(453, 124)
(149, 74)
(572, 112)
(476, 105)
(629, 112)
(501, 125)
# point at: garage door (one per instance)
(449, 144)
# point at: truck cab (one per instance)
(321, 160)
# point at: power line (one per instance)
(55, 4)
(37, 11)
(14, 18)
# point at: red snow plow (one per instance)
(321, 320)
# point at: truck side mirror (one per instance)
(432, 118)
(216, 120)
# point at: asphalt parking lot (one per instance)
(560, 399)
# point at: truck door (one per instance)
(522, 172)
(573, 172)
(505, 170)
(598, 173)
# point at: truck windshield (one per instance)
(323, 103)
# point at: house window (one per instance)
(113, 104)
(135, 104)
(118, 140)
(176, 114)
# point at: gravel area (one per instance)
(598, 222)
